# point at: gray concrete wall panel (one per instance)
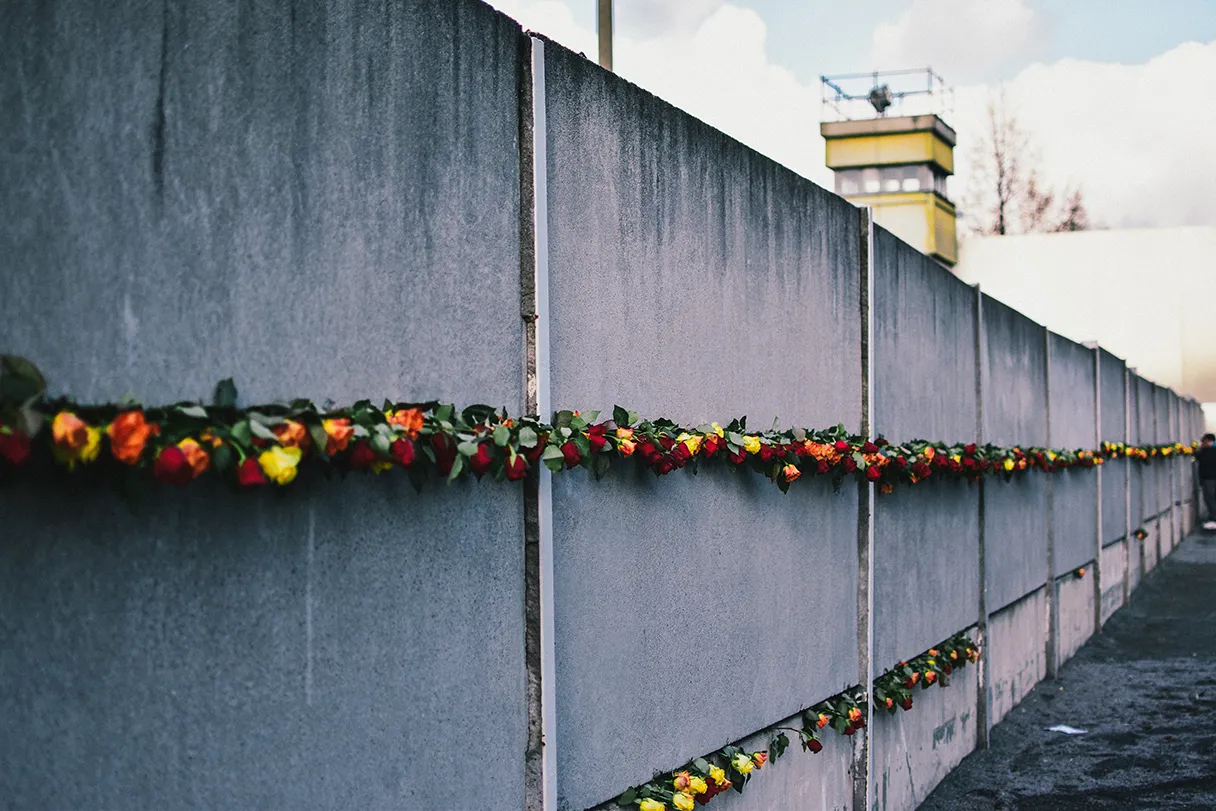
(1075, 601)
(1015, 537)
(285, 650)
(924, 347)
(218, 191)
(1015, 396)
(1114, 564)
(212, 191)
(913, 751)
(926, 562)
(1114, 397)
(1072, 395)
(1074, 518)
(666, 238)
(1017, 652)
(1114, 499)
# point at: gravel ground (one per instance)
(1146, 692)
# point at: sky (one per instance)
(1118, 96)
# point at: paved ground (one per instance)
(1146, 692)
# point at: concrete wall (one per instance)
(1114, 571)
(269, 192)
(1074, 495)
(1115, 472)
(329, 201)
(1015, 411)
(710, 234)
(924, 386)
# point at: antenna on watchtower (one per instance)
(891, 151)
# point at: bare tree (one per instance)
(1005, 193)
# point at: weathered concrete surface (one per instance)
(1016, 651)
(1144, 690)
(1074, 517)
(1151, 544)
(270, 191)
(667, 239)
(914, 750)
(649, 636)
(293, 650)
(1015, 537)
(926, 558)
(1113, 429)
(1114, 564)
(1135, 562)
(1075, 604)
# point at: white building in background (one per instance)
(1146, 295)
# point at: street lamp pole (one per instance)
(603, 25)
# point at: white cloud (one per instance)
(961, 39)
(1137, 138)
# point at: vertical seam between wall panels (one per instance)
(863, 750)
(1053, 608)
(983, 701)
(1098, 535)
(540, 760)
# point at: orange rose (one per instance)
(129, 433)
(790, 472)
(855, 714)
(69, 431)
(760, 759)
(292, 434)
(339, 431)
(822, 721)
(408, 419)
(626, 447)
(196, 457)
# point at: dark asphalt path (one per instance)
(1146, 692)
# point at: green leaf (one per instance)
(621, 417)
(225, 394)
(20, 380)
(457, 468)
(195, 411)
(628, 798)
(601, 464)
(502, 435)
(319, 437)
(240, 432)
(527, 437)
(223, 458)
(563, 419)
(261, 431)
(701, 765)
(467, 448)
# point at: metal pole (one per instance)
(603, 27)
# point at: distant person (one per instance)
(1207, 477)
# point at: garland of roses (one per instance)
(257, 445)
(703, 778)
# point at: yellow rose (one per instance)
(743, 764)
(929, 452)
(697, 785)
(92, 445)
(691, 441)
(683, 802)
(651, 805)
(718, 429)
(717, 774)
(751, 444)
(279, 463)
(1008, 464)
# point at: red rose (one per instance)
(481, 461)
(172, 466)
(517, 468)
(403, 451)
(445, 453)
(249, 474)
(869, 447)
(901, 461)
(841, 446)
(882, 443)
(813, 746)
(15, 447)
(906, 703)
(738, 458)
(664, 465)
(849, 730)
(534, 454)
(823, 466)
(970, 449)
(667, 442)
(873, 473)
(849, 464)
(711, 445)
(595, 434)
(921, 469)
(362, 456)
(572, 454)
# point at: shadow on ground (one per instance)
(1146, 692)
